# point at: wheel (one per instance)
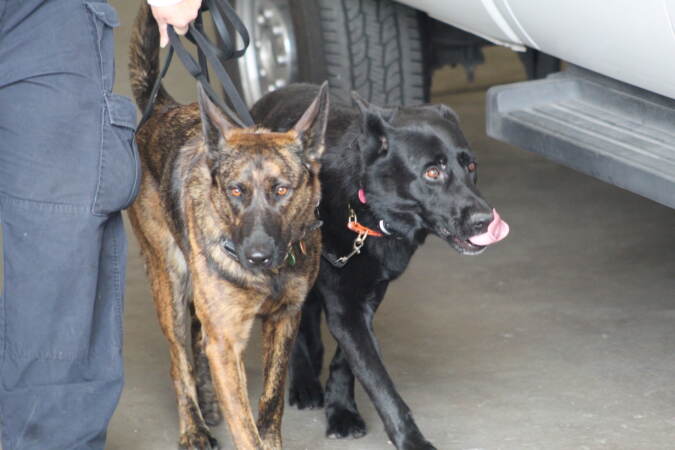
(372, 46)
(270, 61)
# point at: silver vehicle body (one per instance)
(629, 40)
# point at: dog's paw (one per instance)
(305, 394)
(417, 442)
(272, 442)
(426, 445)
(343, 423)
(197, 439)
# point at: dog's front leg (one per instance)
(170, 296)
(224, 347)
(279, 332)
(352, 329)
(305, 390)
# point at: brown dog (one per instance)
(226, 222)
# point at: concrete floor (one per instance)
(561, 337)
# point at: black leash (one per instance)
(209, 53)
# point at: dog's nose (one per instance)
(259, 256)
(479, 221)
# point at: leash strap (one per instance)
(242, 116)
(201, 57)
(218, 10)
(209, 53)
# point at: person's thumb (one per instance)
(163, 35)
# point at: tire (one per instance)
(371, 46)
(374, 47)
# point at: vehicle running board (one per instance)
(597, 125)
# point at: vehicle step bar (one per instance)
(597, 125)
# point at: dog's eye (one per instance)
(281, 191)
(471, 167)
(235, 191)
(432, 173)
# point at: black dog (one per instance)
(401, 173)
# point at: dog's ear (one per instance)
(374, 121)
(311, 127)
(214, 122)
(372, 114)
(444, 111)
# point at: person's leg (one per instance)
(67, 167)
(61, 367)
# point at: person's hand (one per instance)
(179, 15)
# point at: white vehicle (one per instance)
(611, 114)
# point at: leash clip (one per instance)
(362, 233)
(356, 249)
(352, 216)
(358, 242)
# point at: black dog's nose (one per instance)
(259, 256)
(479, 221)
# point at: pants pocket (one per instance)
(119, 164)
(104, 19)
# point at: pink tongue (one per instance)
(497, 230)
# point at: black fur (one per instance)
(388, 152)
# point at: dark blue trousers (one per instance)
(68, 165)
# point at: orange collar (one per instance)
(356, 227)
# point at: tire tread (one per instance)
(375, 48)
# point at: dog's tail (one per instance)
(144, 59)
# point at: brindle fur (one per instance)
(204, 297)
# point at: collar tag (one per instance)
(290, 257)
